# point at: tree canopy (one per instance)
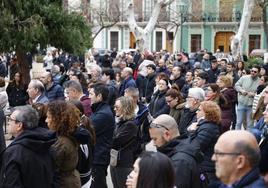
(25, 23)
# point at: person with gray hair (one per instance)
(29, 155)
(128, 81)
(166, 137)
(36, 91)
(236, 156)
(188, 116)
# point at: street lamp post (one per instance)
(183, 9)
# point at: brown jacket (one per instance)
(66, 157)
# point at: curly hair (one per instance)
(65, 117)
(212, 111)
(127, 107)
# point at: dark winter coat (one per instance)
(129, 82)
(17, 95)
(55, 92)
(125, 141)
(2, 138)
(180, 81)
(103, 122)
(251, 180)
(158, 104)
(228, 112)
(148, 89)
(205, 137)
(27, 161)
(187, 118)
(213, 75)
(185, 162)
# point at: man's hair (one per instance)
(231, 63)
(252, 154)
(203, 75)
(28, 116)
(133, 91)
(109, 72)
(37, 84)
(257, 67)
(100, 88)
(74, 85)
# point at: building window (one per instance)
(254, 42)
(195, 43)
(114, 40)
(158, 41)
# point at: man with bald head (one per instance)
(166, 137)
(53, 91)
(128, 81)
(236, 156)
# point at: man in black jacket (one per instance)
(166, 137)
(103, 122)
(27, 161)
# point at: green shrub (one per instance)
(253, 61)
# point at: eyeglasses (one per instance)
(11, 119)
(217, 154)
(254, 71)
(154, 125)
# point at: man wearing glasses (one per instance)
(246, 87)
(27, 161)
(166, 137)
(236, 156)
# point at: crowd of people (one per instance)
(206, 114)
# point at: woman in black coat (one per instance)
(204, 135)
(158, 104)
(124, 141)
(17, 91)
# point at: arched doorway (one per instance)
(132, 41)
(223, 41)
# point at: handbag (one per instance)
(115, 154)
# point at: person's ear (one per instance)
(19, 127)
(241, 161)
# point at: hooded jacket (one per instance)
(28, 161)
(185, 161)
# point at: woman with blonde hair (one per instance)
(64, 119)
(228, 112)
(124, 141)
(205, 135)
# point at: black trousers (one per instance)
(99, 173)
(119, 176)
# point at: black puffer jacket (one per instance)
(205, 137)
(185, 162)
(27, 161)
(158, 104)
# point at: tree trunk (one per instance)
(265, 26)
(238, 39)
(24, 68)
(142, 35)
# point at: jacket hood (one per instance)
(37, 139)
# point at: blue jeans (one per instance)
(242, 112)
